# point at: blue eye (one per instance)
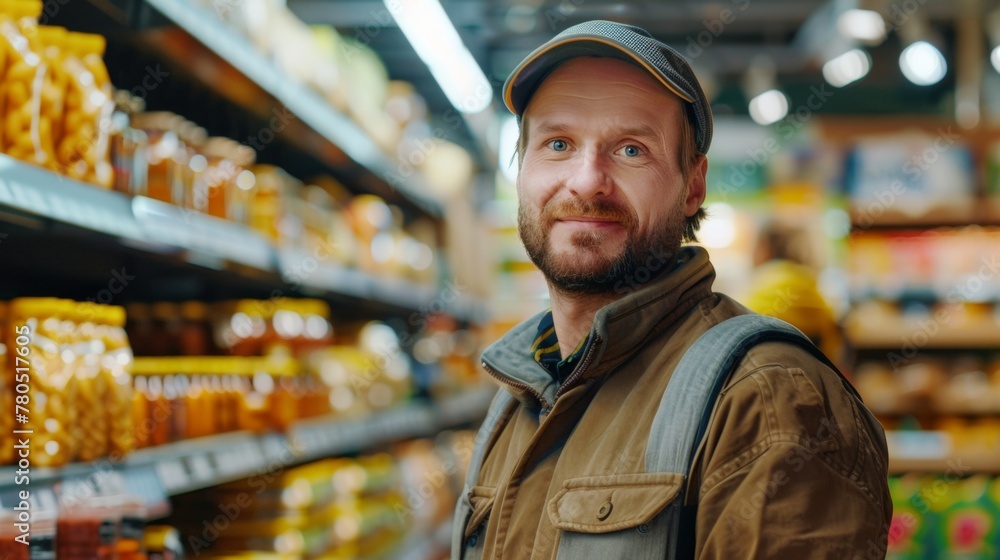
(559, 145)
(632, 151)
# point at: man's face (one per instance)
(600, 189)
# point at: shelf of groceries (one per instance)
(207, 461)
(159, 227)
(308, 105)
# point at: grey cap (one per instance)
(625, 42)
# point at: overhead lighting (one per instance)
(768, 107)
(847, 68)
(431, 33)
(863, 25)
(995, 57)
(923, 64)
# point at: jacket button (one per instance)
(604, 511)
(473, 540)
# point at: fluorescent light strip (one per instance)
(434, 37)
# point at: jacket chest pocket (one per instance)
(627, 516)
(481, 500)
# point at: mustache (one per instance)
(602, 209)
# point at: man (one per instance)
(614, 132)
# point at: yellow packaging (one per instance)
(83, 147)
(92, 424)
(116, 368)
(52, 386)
(27, 96)
(7, 382)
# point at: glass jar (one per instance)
(166, 157)
(129, 146)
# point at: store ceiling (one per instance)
(499, 33)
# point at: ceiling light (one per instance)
(847, 68)
(863, 25)
(768, 107)
(434, 37)
(923, 64)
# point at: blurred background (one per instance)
(253, 249)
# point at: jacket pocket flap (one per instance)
(482, 498)
(602, 504)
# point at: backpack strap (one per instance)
(495, 417)
(688, 404)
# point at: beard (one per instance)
(591, 266)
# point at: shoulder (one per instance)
(782, 397)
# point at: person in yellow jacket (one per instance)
(784, 287)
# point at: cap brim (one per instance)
(533, 69)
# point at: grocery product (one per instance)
(222, 185)
(52, 385)
(83, 145)
(968, 526)
(88, 529)
(167, 156)
(116, 367)
(129, 146)
(163, 542)
(30, 98)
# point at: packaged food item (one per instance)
(11, 549)
(52, 385)
(909, 531)
(194, 335)
(83, 145)
(8, 381)
(131, 545)
(265, 209)
(222, 184)
(88, 529)
(166, 329)
(129, 146)
(93, 392)
(31, 99)
(116, 368)
(163, 542)
(968, 527)
(167, 156)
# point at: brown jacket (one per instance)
(793, 465)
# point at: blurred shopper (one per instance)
(784, 285)
(614, 132)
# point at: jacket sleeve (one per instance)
(794, 467)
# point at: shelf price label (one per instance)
(918, 444)
(172, 474)
(201, 468)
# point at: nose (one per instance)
(588, 176)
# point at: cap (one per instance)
(625, 42)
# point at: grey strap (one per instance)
(497, 412)
(689, 400)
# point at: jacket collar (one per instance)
(619, 329)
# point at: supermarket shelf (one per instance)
(966, 212)
(172, 469)
(955, 464)
(307, 106)
(156, 227)
(931, 452)
(889, 337)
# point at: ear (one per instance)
(696, 186)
